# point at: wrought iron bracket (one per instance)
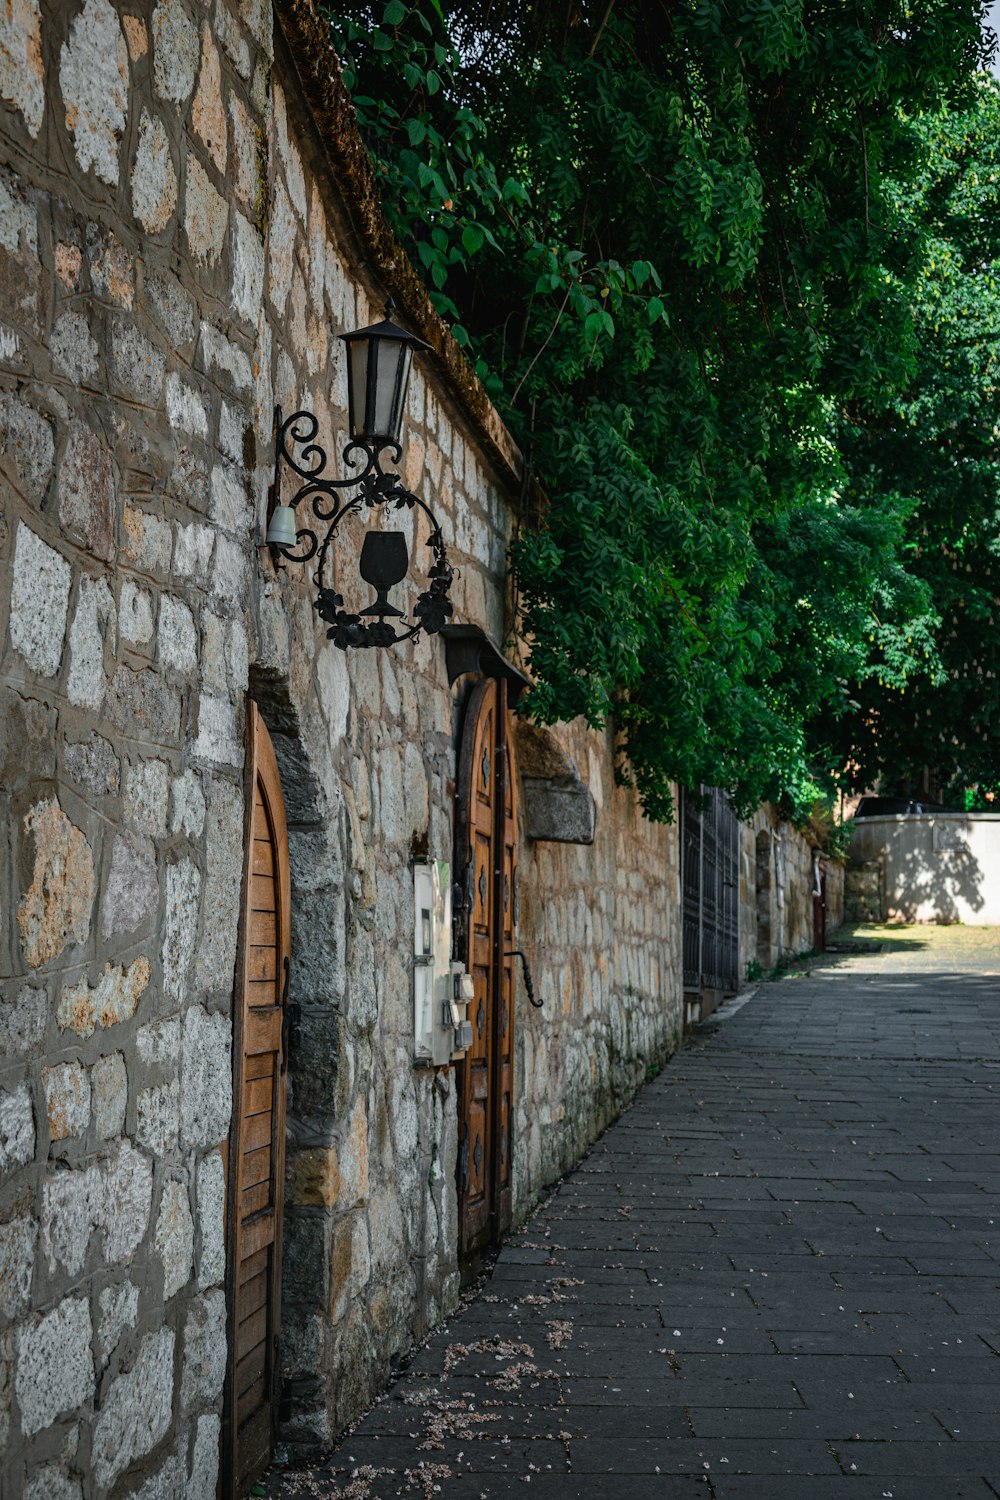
(375, 487)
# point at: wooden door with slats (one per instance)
(486, 858)
(257, 1137)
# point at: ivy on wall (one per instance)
(671, 238)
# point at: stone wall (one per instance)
(776, 891)
(177, 253)
(927, 867)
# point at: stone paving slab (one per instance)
(778, 1275)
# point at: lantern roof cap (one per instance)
(387, 328)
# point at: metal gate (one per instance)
(710, 841)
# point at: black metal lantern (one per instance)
(378, 372)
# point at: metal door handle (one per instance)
(529, 987)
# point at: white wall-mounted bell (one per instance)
(281, 531)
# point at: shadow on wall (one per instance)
(932, 869)
(933, 885)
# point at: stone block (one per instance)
(282, 234)
(52, 1483)
(158, 1118)
(119, 1307)
(93, 765)
(187, 807)
(233, 431)
(220, 907)
(83, 1007)
(173, 309)
(136, 37)
(67, 1099)
(168, 1483)
(217, 740)
(94, 79)
(109, 1095)
(27, 736)
(147, 785)
(39, 602)
(111, 268)
(248, 268)
(229, 506)
(87, 492)
(22, 78)
(72, 1204)
(232, 40)
(189, 480)
(206, 214)
(56, 908)
(94, 621)
(19, 234)
(175, 51)
(174, 1236)
(204, 1351)
(154, 181)
(230, 575)
(177, 638)
(159, 1044)
(246, 154)
(148, 541)
(22, 1022)
(55, 1365)
(73, 348)
(314, 1177)
(354, 1157)
(132, 890)
(211, 1219)
(186, 407)
(18, 1238)
(127, 1194)
(559, 809)
(193, 551)
(204, 1480)
(208, 109)
(137, 365)
(220, 356)
(180, 926)
(142, 706)
(135, 1410)
(17, 1129)
(206, 1078)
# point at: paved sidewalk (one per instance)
(776, 1278)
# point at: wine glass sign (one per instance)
(378, 369)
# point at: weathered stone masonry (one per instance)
(184, 230)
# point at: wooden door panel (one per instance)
(486, 847)
(257, 1138)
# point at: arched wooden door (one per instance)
(486, 861)
(257, 1138)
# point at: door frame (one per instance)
(259, 762)
(500, 1196)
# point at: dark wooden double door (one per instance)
(486, 865)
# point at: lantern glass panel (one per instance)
(388, 354)
(358, 355)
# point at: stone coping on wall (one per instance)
(927, 817)
(317, 68)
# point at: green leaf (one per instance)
(394, 13)
(473, 238)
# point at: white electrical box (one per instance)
(441, 988)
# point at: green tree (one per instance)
(937, 447)
(668, 234)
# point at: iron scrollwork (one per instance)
(375, 487)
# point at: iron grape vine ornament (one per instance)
(384, 560)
